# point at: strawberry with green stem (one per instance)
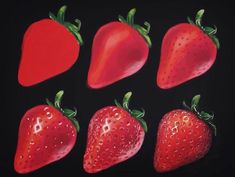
(115, 134)
(119, 49)
(47, 133)
(50, 47)
(184, 136)
(187, 51)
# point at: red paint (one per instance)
(48, 49)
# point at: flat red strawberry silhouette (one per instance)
(119, 50)
(47, 133)
(183, 137)
(188, 51)
(115, 134)
(50, 47)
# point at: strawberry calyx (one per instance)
(69, 113)
(74, 29)
(206, 117)
(143, 31)
(137, 114)
(208, 30)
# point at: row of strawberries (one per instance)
(120, 49)
(48, 133)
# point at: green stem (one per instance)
(206, 117)
(137, 114)
(143, 31)
(208, 30)
(74, 29)
(69, 113)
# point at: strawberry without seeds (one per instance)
(47, 133)
(119, 50)
(50, 47)
(184, 136)
(115, 134)
(188, 51)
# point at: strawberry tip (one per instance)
(206, 117)
(74, 29)
(208, 30)
(143, 31)
(137, 114)
(68, 113)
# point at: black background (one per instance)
(215, 86)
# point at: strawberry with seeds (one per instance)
(188, 51)
(184, 136)
(47, 133)
(115, 134)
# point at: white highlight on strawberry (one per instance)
(106, 126)
(37, 127)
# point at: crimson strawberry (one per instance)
(115, 134)
(47, 133)
(119, 50)
(50, 47)
(184, 136)
(188, 51)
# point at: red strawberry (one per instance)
(188, 51)
(50, 47)
(119, 50)
(115, 134)
(183, 136)
(47, 133)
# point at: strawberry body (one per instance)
(182, 138)
(48, 49)
(118, 51)
(187, 52)
(114, 135)
(45, 135)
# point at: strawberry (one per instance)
(184, 136)
(50, 47)
(47, 133)
(115, 134)
(119, 50)
(188, 51)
